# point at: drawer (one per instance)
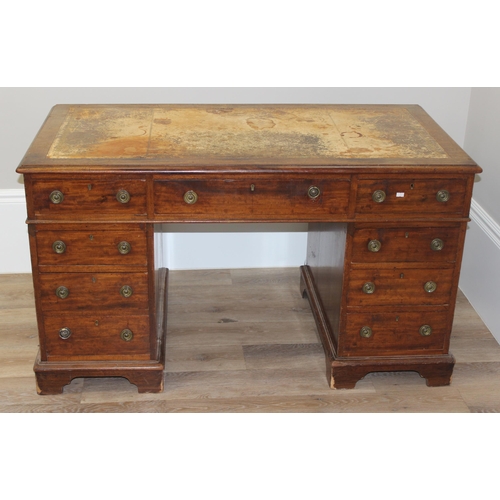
(412, 198)
(96, 337)
(405, 244)
(91, 247)
(119, 198)
(262, 198)
(395, 333)
(80, 291)
(399, 286)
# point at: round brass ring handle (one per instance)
(366, 332)
(126, 335)
(378, 196)
(313, 192)
(65, 333)
(56, 197)
(425, 330)
(126, 291)
(124, 247)
(123, 196)
(59, 246)
(430, 287)
(437, 244)
(369, 287)
(442, 195)
(62, 292)
(190, 197)
(374, 245)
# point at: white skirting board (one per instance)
(231, 246)
(480, 276)
(14, 243)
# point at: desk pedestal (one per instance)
(148, 376)
(344, 372)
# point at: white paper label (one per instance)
(400, 195)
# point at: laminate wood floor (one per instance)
(244, 341)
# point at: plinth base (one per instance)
(52, 377)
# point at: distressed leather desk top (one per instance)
(164, 136)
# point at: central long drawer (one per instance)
(260, 197)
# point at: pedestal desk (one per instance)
(385, 190)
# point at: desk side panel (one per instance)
(325, 257)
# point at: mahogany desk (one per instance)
(385, 191)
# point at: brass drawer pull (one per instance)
(56, 197)
(126, 335)
(374, 245)
(62, 292)
(123, 196)
(442, 195)
(378, 196)
(124, 247)
(366, 332)
(313, 192)
(126, 291)
(369, 287)
(437, 244)
(425, 330)
(59, 246)
(65, 333)
(190, 197)
(430, 287)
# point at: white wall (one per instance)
(23, 110)
(481, 263)
(481, 142)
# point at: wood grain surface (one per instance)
(244, 359)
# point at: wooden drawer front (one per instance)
(262, 198)
(411, 197)
(78, 291)
(394, 333)
(399, 286)
(406, 244)
(96, 337)
(90, 198)
(91, 247)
